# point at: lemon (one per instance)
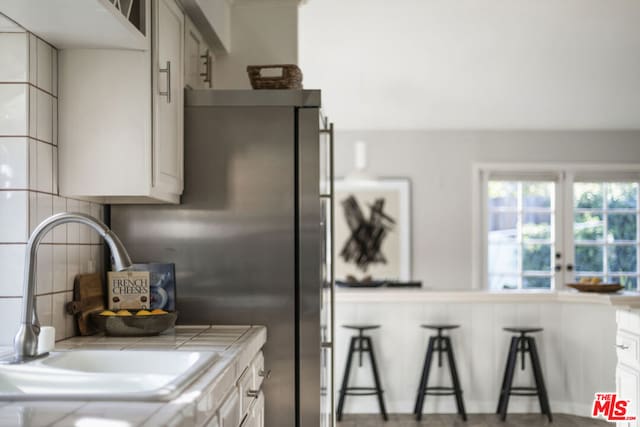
(158, 311)
(123, 313)
(143, 313)
(596, 280)
(107, 313)
(585, 280)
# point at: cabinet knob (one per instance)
(622, 346)
(253, 393)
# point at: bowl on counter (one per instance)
(599, 287)
(134, 325)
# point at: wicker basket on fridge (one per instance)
(290, 77)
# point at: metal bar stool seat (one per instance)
(362, 344)
(440, 344)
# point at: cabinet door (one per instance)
(628, 388)
(168, 97)
(193, 61)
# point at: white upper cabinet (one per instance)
(198, 58)
(168, 97)
(213, 20)
(83, 23)
(121, 117)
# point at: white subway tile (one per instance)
(44, 277)
(44, 173)
(85, 232)
(33, 112)
(14, 216)
(44, 308)
(12, 268)
(40, 208)
(59, 268)
(73, 229)
(85, 259)
(54, 72)
(55, 121)
(9, 319)
(14, 60)
(44, 116)
(73, 264)
(55, 171)
(59, 315)
(14, 163)
(60, 232)
(33, 164)
(44, 65)
(33, 58)
(13, 109)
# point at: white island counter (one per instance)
(577, 346)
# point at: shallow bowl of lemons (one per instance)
(134, 323)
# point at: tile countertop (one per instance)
(236, 345)
(618, 299)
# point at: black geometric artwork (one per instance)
(363, 245)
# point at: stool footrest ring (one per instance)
(361, 391)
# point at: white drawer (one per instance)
(229, 415)
(628, 320)
(245, 385)
(628, 348)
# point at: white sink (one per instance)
(104, 375)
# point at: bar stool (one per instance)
(362, 344)
(523, 344)
(440, 344)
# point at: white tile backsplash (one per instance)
(12, 268)
(44, 271)
(14, 216)
(14, 163)
(44, 308)
(13, 109)
(28, 178)
(44, 116)
(44, 64)
(14, 61)
(59, 268)
(9, 319)
(44, 174)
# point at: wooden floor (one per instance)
(479, 420)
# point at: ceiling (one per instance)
(474, 64)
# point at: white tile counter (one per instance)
(237, 345)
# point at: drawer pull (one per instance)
(622, 346)
(253, 393)
(264, 374)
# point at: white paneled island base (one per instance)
(577, 346)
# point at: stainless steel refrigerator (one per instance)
(250, 239)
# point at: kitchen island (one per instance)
(577, 346)
(216, 394)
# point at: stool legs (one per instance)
(523, 344)
(454, 379)
(345, 378)
(440, 344)
(417, 410)
(376, 378)
(361, 344)
(543, 398)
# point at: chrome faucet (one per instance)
(25, 343)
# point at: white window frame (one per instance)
(565, 175)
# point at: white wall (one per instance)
(488, 64)
(439, 165)
(262, 32)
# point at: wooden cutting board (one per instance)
(88, 297)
